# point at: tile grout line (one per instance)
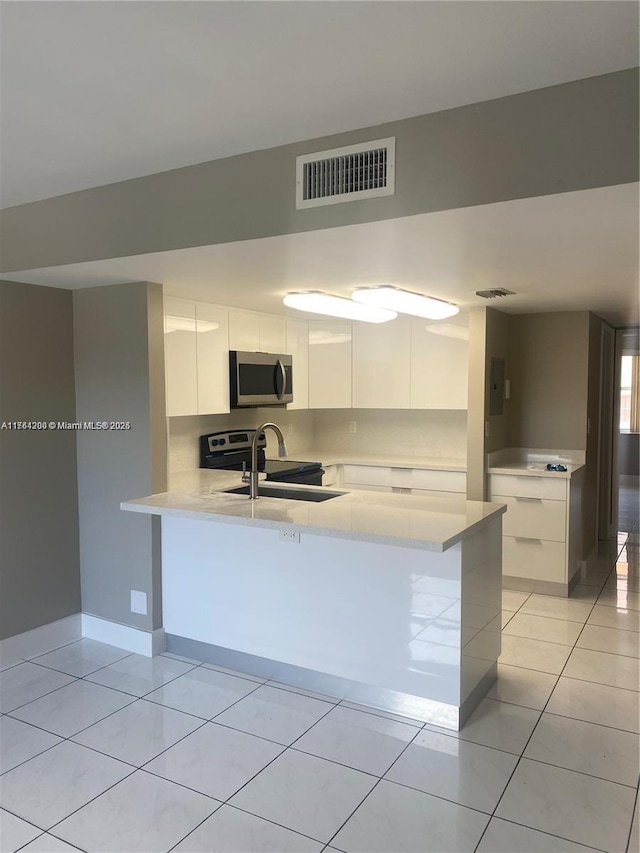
(290, 746)
(531, 735)
(366, 797)
(282, 752)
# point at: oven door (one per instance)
(260, 379)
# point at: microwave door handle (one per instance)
(280, 393)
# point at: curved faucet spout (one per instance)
(282, 454)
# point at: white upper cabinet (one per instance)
(180, 357)
(439, 369)
(244, 331)
(272, 334)
(212, 342)
(329, 365)
(257, 332)
(298, 348)
(381, 364)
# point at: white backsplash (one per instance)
(184, 433)
(387, 432)
(379, 431)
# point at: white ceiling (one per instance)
(97, 92)
(570, 251)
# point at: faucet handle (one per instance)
(245, 476)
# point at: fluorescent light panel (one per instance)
(316, 302)
(404, 301)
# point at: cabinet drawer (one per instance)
(536, 518)
(537, 559)
(528, 487)
(439, 481)
(367, 475)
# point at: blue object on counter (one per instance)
(551, 467)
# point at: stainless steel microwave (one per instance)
(260, 379)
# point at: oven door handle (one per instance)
(283, 374)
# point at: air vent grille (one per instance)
(346, 174)
(496, 291)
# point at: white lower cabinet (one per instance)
(535, 518)
(329, 365)
(541, 528)
(533, 559)
(417, 481)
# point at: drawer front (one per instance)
(537, 559)
(367, 487)
(434, 493)
(439, 481)
(367, 475)
(528, 487)
(536, 518)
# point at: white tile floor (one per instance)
(105, 751)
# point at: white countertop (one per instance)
(530, 469)
(429, 463)
(411, 521)
(532, 462)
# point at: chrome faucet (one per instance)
(282, 454)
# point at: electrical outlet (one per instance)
(353, 426)
(289, 536)
(290, 429)
(138, 602)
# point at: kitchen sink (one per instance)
(313, 495)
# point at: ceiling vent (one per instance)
(351, 173)
(496, 291)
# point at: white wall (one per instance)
(389, 432)
(184, 432)
(379, 431)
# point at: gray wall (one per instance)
(574, 136)
(39, 567)
(555, 394)
(489, 338)
(549, 388)
(119, 360)
(629, 454)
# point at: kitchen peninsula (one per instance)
(386, 599)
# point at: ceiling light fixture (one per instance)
(316, 302)
(404, 301)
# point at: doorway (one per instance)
(627, 435)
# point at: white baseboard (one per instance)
(135, 640)
(30, 644)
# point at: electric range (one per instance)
(231, 451)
